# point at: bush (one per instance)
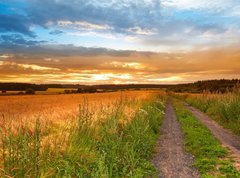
(67, 91)
(89, 89)
(79, 90)
(30, 91)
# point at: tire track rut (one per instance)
(172, 160)
(228, 139)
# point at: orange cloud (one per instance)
(134, 68)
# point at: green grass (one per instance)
(211, 159)
(106, 149)
(223, 108)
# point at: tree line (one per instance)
(44, 87)
(213, 86)
(220, 86)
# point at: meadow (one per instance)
(80, 135)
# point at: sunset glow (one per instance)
(119, 41)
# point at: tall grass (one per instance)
(21, 151)
(106, 148)
(211, 159)
(224, 108)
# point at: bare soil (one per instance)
(171, 158)
(228, 139)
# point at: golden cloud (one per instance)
(133, 68)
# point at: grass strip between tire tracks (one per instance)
(211, 159)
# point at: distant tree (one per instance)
(30, 91)
(4, 91)
(90, 89)
(67, 91)
(79, 90)
(73, 91)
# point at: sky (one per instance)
(119, 41)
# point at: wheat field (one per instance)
(47, 135)
(58, 108)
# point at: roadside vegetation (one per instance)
(110, 146)
(223, 108)
(211, 159)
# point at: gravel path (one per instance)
(171, 159)
(228, 139)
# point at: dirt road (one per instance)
(229, 140)
(171, 160)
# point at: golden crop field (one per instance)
(55, 108)
(112, 134)
(41, 131)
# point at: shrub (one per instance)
(67, 91)
(4, 91)
(79, 90)
(30, 91)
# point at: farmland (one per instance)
(119, 89)
(119, 134)
(80, 135)
(53, 108)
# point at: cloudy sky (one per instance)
(119, 41)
